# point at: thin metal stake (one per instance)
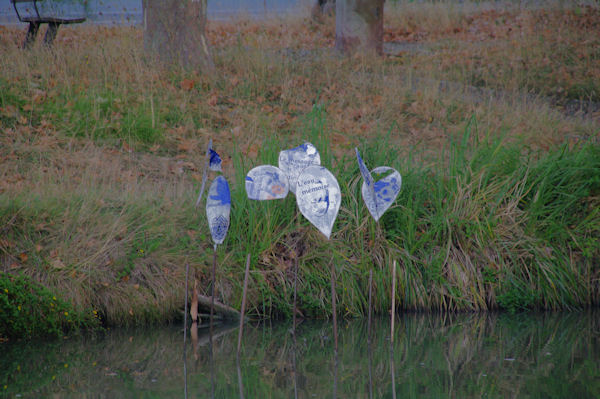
(239, 345)
(295, 288)
(212, 290)
(393, 300)
(370, 305)
(185, 312)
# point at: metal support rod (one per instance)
(240, 332)
(212, 288)
(185, 312)
(370, 305)
(393, 300)
(295, 290)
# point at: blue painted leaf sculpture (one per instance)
(215, 161)
(319, 197)
(380, 187)
(218, 208)
(292, 162)
(212, 162)
(266, 182)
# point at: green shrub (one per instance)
(28, 309)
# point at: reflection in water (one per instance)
(452, 356)
(239, 373)
(393, 373)
(335, 373)
(370, 353)
(211, 360)
(294, 371)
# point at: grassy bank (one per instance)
(102, 154)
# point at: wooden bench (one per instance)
(54, 13)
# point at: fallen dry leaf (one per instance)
(213, 100)
(57, 264)
(187, 84)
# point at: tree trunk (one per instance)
(359, 26)
(174, 32)
(322, 8)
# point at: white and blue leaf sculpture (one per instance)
(293, 161)
(218, 208)
(319, 197)
(214, 162)
(379, 194)
(266, 182)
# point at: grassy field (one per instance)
(101, 155)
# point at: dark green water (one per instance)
(451, 356)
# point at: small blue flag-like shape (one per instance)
(266, 182)
(292, 162)
(215, 161)
(379, 193)
(218, 208)
(319, 197)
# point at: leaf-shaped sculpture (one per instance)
(218, 207)
(212, 162)
(266, 182)
(215, 161)
(386, 187)
(319, 197)
(369, 194)
(292, 162)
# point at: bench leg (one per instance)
(31, 34)
(51, 33)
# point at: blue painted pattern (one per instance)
(222, 194)
(266, 182)
(215, 161)
(218, 208)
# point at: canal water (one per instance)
(449, 356)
